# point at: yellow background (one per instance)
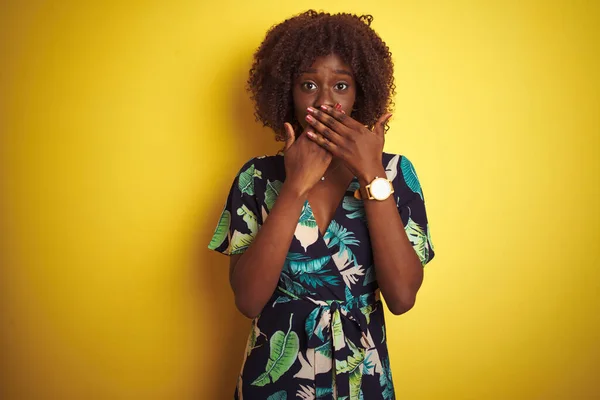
(123, 123)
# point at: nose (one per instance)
(325, 98)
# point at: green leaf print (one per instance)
(324, 393)
(281, 395)
(255, 333)
(342, 237)
(222, 230)
(355, 207)
(292, 286)
(281, 299)
(353, 365)
(429, 238)
(246, 180)
(418, 239)
(311, 322)
(336, 330)
(307, 217)
(284, 351)
(369, 276)
(319, 279)
(410, 176)
(249, 218)
(299, 263)
(240, 242)
(272, 192)
(385, 380)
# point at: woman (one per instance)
(317, 231)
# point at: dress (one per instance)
(322, 333)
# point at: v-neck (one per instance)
(335, 213)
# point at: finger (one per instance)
(329, 132)
(380, 124)
(324, 143)
(290, 136)
(344, 119)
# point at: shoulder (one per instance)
(267, 165)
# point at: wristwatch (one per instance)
(379, 189)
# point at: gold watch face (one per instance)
(380, 189)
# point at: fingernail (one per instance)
(310, 134)
(309, 118)
(338, 106)
(343, 112)
(310, 109)
(323, 107)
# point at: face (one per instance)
(328, 81)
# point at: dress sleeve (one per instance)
(410, 201)
(240, 220)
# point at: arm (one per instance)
(398, 268)
(254, 274)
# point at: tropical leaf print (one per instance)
(392, 168)
(249, 218)
(337, 235)
(355, 207)
(246, 180)
(385, 380)
(307, 231)
(292, 286)
(299, 263)
(337, 330)
(350, 275)
(255, 333)
(240, 242)
(306, 392)
(281, 299)
(272, 192)
(281, 395)
(324, 393)
(429, 238)
(353, 365)
(368, 365)
(410, 176)
(369, 276)
(284, 351)
(319, 279)
(307, 217)
(418, 238)
(222, 230)
(310, 271)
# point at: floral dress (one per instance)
(322, 333)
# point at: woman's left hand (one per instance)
(356, 145)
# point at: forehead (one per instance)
(328, 64)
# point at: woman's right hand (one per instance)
(305, 161)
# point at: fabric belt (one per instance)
(327, 328)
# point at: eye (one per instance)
(341, 86)
(308, 86)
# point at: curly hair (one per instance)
(294, 44)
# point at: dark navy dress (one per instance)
(322, 333)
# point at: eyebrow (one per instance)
(337, 71)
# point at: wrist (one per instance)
(367, 176)
(294, 190)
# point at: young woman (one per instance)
(316, 232)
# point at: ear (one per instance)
(380, 124)
(290, 136)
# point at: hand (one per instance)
(305, 161)
(357, 146)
